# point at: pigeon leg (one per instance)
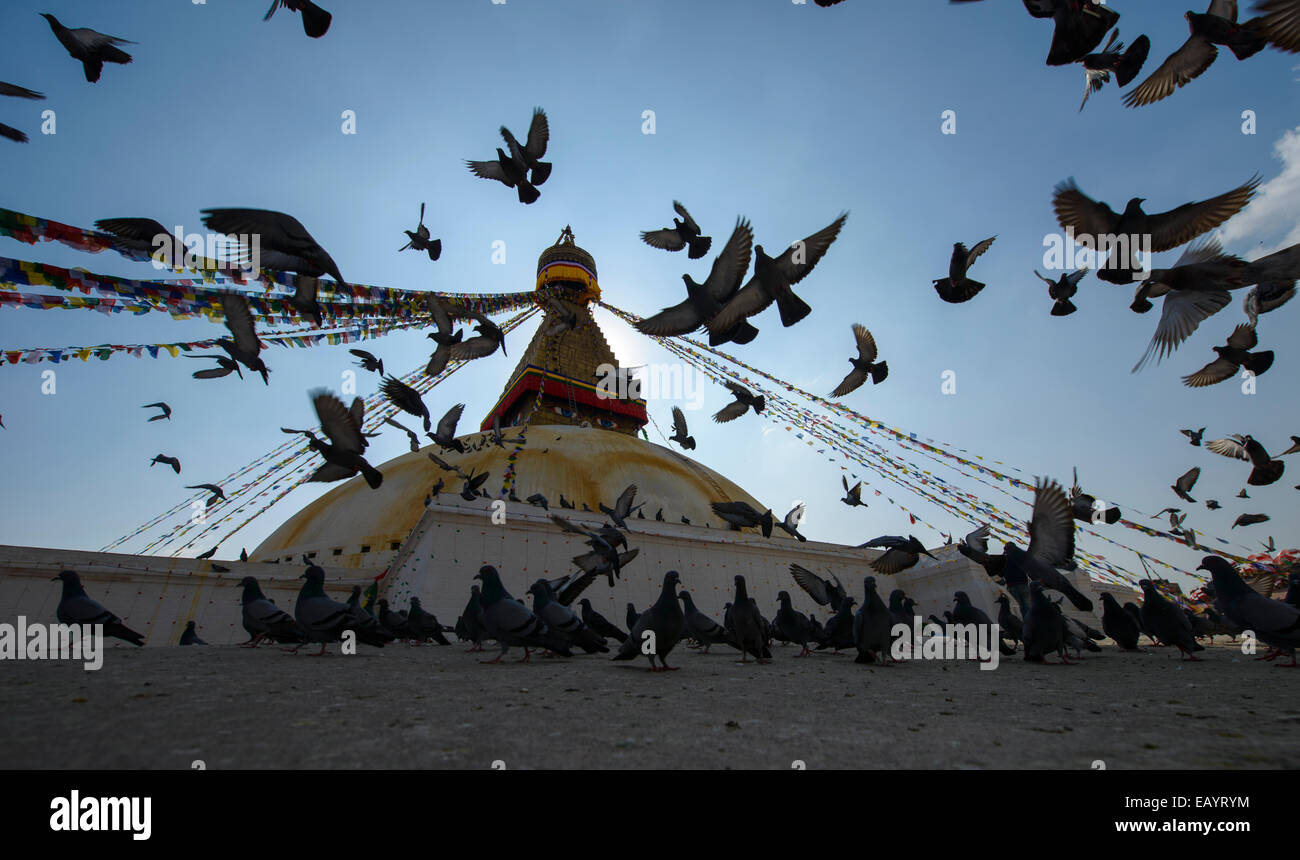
(1291, 665)
(321, 652)
(1271, 655)
(666, 667)
(527, 656)
(1188, 655)
(497, 658)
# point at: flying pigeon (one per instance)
(1183, 486)
(217, 494)
(18, 92)
(166, 411)
(741, 515)
(1265, 470)
(656, 631)
(1232, 358)
(90, 48)
(283, 234)
(368, 361)
(1279, 20)
(510, 170)
(1126, 64)
(225, 366)
(622, 507)
(1194, 436)
(343, 453)
(483, 344)
(243, 345)
(1267, 296)
(684, 233)
(167, 461)
(76, 608)
(853, 495)
(1217, 26)
(957, 288)
(411, 436)
(445, 435)
(1167, 230)
(1051, 543)
(790, 522)
(704, 301)
(315, 20)
(407, 399)
(420, 240)
(1250, 520)
(821, 590)
(679, 431)
(1062, 290)
(865, 365)
(773, 278)
(744, 398)
(900, 553)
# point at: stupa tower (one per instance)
(556, 380)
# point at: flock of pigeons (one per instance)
(1194, 289)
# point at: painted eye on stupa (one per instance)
(606, 423)
(567, 413)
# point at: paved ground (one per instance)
(432, 707)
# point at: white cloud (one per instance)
(1276, 206)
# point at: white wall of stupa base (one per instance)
(157, 596)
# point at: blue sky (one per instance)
(787, 114)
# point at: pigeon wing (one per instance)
(1183, 66)
(1179, 226)
(801, 257)
(1051, 526)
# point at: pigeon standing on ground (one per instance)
(701, 627)
(1167, 622)
(872, 627)
(564, 622)
(512, 623)
(1119, 625)
(324, 620)
(424, 624)
(792, 626)
(600, 623)
(262, 619)
(190, 636)
(747, 626)
(76, 608)
(957, 288)
(90, 48)
(684, 233)
(1044, 628)
(469, 627)
(315, 20)
(1275, 622)
(1009, 623)
(658, 629)
(17, 92)
(864, 366)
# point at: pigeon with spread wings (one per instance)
(865, 365)
(957, 288)
(343, 453)
(684, 233)
(773, 278)
(738, 407)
